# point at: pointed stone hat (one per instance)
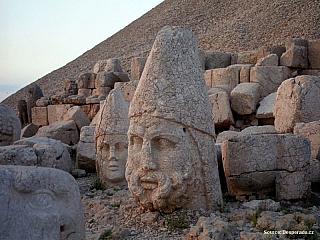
(113, 117)
(172, 85)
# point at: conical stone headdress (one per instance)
(172, 85)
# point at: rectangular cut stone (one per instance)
(39, 116)
(57, 112)
(253, 163)
(221, 111)
(314, 54)
(86, 151)
(266, 105)
(101, 90)
(127, 89)
(245, 73)
(84, 92)
(297, 101)
(309, 72)
(296, 42)
(226, 78)
(137, 66)
(90, 110)
(247, 57)
(295, 57)
(208, 78)
(269, 78)
(215, 59)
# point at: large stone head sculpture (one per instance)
(111, 140)
(39, 203)
(172, 157)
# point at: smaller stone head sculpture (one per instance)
(10, 126)
(111, 140)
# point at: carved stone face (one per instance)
(114, 153)
(159, 163)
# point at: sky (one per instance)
(38, 36)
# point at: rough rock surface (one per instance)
(10, 126)
(266, 129)
(253, 163)
(29, 131)
(111, 140)
(39, 203)
(65, 131)
(266, 105)
(221, 111)
(313, 54)
(40, 116)
(86, 150)
(78, 116)
(57, 112)
(50, 153)
(170, 118)
(216, 59)
(127, 89)
(270, 60)
(225, 78)
(18, 155)
(297, 101)
(108, 65)
(137, 66)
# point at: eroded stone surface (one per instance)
(295, 57)
(266, 105)
(127, 89)
(78, 116)
(86, 150)
(172, 158)
(297, 101)
(18, 155)
(137, 66)
(270, 60)
(111, 140)
(39, 203)
(108, 65)
(10, 126)
(221, 111)
(57, 112)
(29, 130)
(313, 54)
(217, 60)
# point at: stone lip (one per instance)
(172, 85)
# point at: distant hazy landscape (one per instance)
(6, 90)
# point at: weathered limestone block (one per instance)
(39, 203)
(78, 116)
(58, 98)
(127, 89)
(29, 130)
(106, 79)
(18, 155)
(70, 86)
(172, 157)
(215, 90)
(57, 112)
(217, 60)
(270, 60)
(226, 135)
(314, 54)
(202, 58)
(253, 163)
(108, 65)
(296, 42)
(267, 50)
(65, 131)
(50, 152)
(297, 101)
(40, 116)
(226, 78)
(309, 72)
(42, 102)
(269, 77)
(267, 129)
(86, 80)
(295, 57)
(244, 98)
(95, 99)
(311, 131)
(84, 92)
(75, 99)
(101, 91)
(124, 77)
(265, 109)
(90, 110)
(111, 140)
(86, 150)
(221, 111)
(245, 72)
(247, 57)
(137, 66)
(10, 126)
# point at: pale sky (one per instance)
(39, 36)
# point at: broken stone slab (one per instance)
(86, 150)
(18, 155)
(50, 152)
(267, 129)
(40, 116)
(40, 203)
(78, 116)
(57, 112)
(58, 98)
(124, 77)
(75, 99)
(269, 77)
(42, 102)
(313, 54)
(226, 135)
(297, 101)
(95, 99)
(295, 57)
(267, 50)
(10, 126)
(266, 105)
(86, 81)
(29, 130)
(137, 66)
(214, 59)
(270, 60)
(244, 98)
(290, 42)
(226, 78)
(101, 91)
(65, 131)
(90, 110)
(106, 79)
(244, 72)
(253, 163)
(84, 92)
(108, 65)
(221, 111)
(127, 89)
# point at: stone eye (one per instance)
(136, 143)
(41, 200)
(163, 143)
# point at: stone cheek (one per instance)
(112, 153)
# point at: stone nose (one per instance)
(147, 161)
(112, 153)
